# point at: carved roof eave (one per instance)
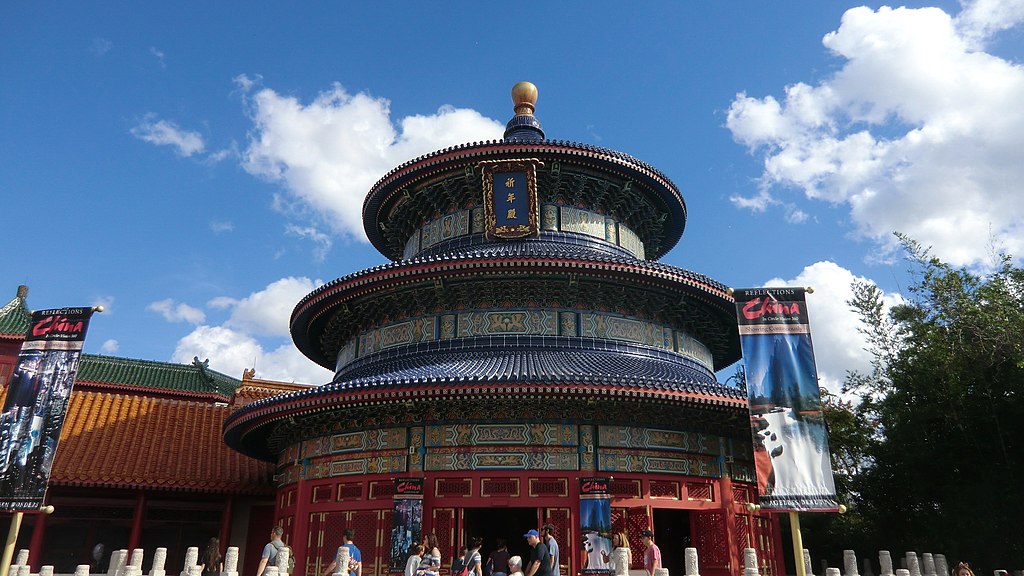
(248, 429)
(388, 190)
(315, 308)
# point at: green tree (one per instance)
(946, 394)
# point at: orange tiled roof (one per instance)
(134, 441)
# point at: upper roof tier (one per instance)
(639, 203)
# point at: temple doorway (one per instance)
(494, 523)
(672, 535)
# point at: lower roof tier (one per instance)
(472, 385)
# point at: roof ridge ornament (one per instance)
(524, 126)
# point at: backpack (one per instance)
(291, 556)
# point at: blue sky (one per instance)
(198, 167)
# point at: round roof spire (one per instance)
(524, 126)
(524, 98)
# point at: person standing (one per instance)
(269, 555)
(415, 557)
(515, 566)
(499, 558)
(552, 544)
(211, 562)
(652, 555)
(430, 565)
(472, 561)
(540, 559)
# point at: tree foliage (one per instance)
(939, 465)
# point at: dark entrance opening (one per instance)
(672, 535)
(494, 523)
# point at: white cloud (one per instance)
(166, 133)
(321, 241)
(100, 46)
(179, 312)
(917, 132)
(110, 346)
(329, 152)
(219, 226)
(256, 336)
(159, 55)
(839, 346)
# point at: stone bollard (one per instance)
(271, 571)
(832, 572)
(928, 564)
(23, 570)
(159, 560)
(850, 563)
(283, 555)
(661, 572)
(22, 558)
(902, 572)
(913, 565)
(941, 568)
(191, 559)
(118, 560)
(82, 570)
(134, 567)
(231, 562)
(342, 567)
(750, 562)
(867, 568)
(808, 569)
(46, 570)
(884, 563)
(690, 562)
(621, 556)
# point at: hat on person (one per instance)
(531, 533)
(647, 533)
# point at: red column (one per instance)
(225, 521)
(300, 520)
(140, 514)
(35, 547)
(729, 507)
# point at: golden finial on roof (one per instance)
(524, 98)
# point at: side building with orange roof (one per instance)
(142, 462)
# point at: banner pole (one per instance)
(798, 544)
(12, 541)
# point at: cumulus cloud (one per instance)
(177, 312)
(110, 346)
(255, 336)
(329, 152)
(919, 131)
(322, 242)
(167, 133)
(839, 346)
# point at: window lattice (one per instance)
(625, 488)
(548, 487)
(382, 490)
(699, 491)
(499, 487)
(453, 487)
(664, 490)
(350, 491)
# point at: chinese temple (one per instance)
(522, 339)
(142, 462)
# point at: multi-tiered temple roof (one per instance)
(562, 315)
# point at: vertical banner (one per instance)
(790, 441)
(596, 525)
(406, 521)
(36, 403)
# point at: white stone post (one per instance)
(82, 570)
(941, 568)
(271, 571)
(913, 565)
(191, 559)
(884, 563)
(118, 560)
(690, 562)
(927, 564)
(808, 569)
(750, 562)
(902, 572)
(661, 572)
(46, 570)
(621, 556)
(342, 567)
(850, 563)
(283, 555)
(832, 572)
(231, 562)
(195, 570)
(21, 559)
(159, 559)
(23, 570)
